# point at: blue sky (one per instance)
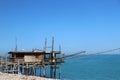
(76, 25)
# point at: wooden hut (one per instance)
(26, 56)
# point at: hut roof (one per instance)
(12, 52)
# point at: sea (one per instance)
(92, 67)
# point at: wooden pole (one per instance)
(45, 44)
(44, 71)
(51, 71)
(40, 70)
(52, 44)
(59, 71)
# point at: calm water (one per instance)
(99, 67)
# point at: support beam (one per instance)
(44, 71)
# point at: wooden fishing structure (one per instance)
(46, 63)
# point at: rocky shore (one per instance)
(6, 76)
